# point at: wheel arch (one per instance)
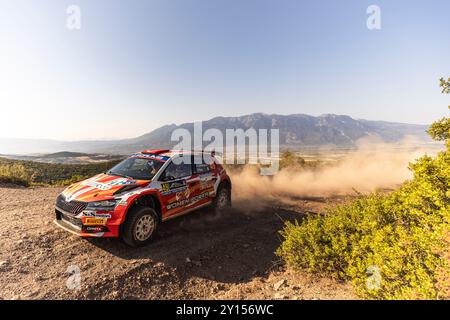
(146, 200)
(225, 183)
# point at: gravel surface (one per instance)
(197, 256)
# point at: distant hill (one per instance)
(66, 154)
(66, 157)
(296, 131)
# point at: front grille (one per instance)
(73, 207)
(71, 219)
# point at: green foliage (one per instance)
(399, 233)
(288, 159)
(15, 174)
(445, 85)
(403, 236)
(38, 173)
(440, 130)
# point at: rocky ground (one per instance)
(198, 256)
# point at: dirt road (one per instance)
(193, 257)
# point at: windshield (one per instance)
(137, 168)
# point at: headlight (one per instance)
(107, 205)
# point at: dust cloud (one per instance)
(373, 165)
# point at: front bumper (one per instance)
(74, 225)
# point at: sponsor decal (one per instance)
(93, 214)
(97, 185)
(173, 186)
(207, 181)
(206, 184)
(183, 194)
(106, 186)
(187, 202)
(121, 182)
(95, 221)
(95, 229)
(151, 156)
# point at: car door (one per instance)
(176, 187)
(207, 179)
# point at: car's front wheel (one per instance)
(140, 226)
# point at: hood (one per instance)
(100, 187)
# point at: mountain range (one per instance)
(296, 131)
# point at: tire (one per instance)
(140, 226)
(222, 201)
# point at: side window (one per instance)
(176, 171)
(202, 167)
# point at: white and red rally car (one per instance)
(131, 199)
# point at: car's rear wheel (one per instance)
(140, 226)
(222, 201)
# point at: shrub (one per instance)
(44, 174)
(15, 174)
(289, 159)
(390, 246)
(398, 234)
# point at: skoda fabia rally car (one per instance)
(131, 199)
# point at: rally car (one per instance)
(147, 188)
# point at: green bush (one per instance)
(15, 174)
(390, 246)
(44, 174)
(399, 234)
(289, 159)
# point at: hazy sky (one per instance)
(136, 65)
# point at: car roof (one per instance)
(165, 154)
